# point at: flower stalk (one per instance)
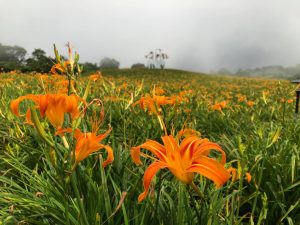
(39, 128)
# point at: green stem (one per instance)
(158, 195)
(81, 207)
(197, 190)
(194, 204)
(65, 142)
(66, 204)
(38, 126)
(69, 85)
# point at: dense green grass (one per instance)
(263, 139)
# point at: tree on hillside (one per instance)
(138, 65)
(90, 67)
(38, 62)
(109, 63)
(11, 57)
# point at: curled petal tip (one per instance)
(110, 156)
(135, 155)
(141, 197)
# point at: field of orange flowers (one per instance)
(147, 147)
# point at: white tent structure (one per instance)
(156, 59)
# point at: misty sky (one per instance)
(199, 35)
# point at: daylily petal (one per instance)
(55, 111)
(72, 105)
(148, 176)
(188, 146)
(14, 105)
(170, 144)
(110, 155)
(248, 177)
(206, 147)
(55, 68)
(28, 117)
(100, 137)
(211, 169)
(86, 145)
(157, 149)
(43, 101)
(135, 155)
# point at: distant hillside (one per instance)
(272, 72)
(142, 71)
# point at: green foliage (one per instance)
(263, 139)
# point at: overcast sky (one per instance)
(199, 35)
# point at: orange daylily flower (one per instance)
(87, 143)
(242, 98)
(152, 104)
(235, 175)
(57, 67)
(96, 76)
(219, 106)
(191, 156)
(61, 69)
(250, 103)
(53, 106)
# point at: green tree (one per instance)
(138, 65)
(38, 62)
(109, 63)
(11, 57)
(89, 67)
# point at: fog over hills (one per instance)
(198, 35)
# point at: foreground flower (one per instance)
(53, 106)
(192, 155)
(87, 143)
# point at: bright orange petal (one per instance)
(100, 137)
(14, 105)
(248, 177)
(28, 117)
(43, 101)
(110, 155)
(211, 169)
(170, 144)
(55, 68)
(85, 145)
(205, 148)
(135, 155)
(72, 105)
(55, 111)
(148, 176)
(66, 130)
(189, 145)
(157, 149)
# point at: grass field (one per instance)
(252, 120)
